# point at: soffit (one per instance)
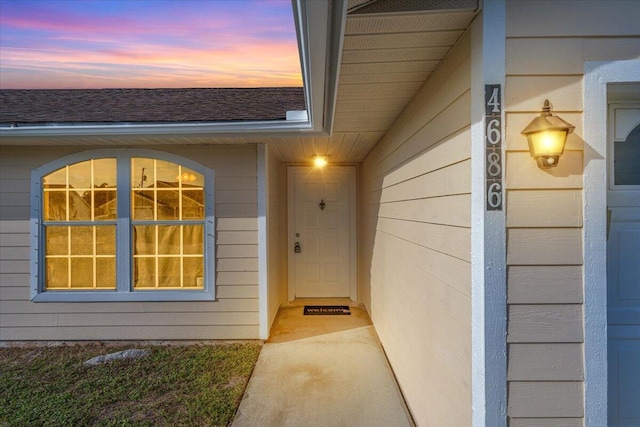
(390, 49)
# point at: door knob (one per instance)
(297, 249)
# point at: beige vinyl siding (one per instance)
(277, 233)
(545, 55)
(233, 315)
(415, 240)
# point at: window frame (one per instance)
(612, 108)
(124, 286)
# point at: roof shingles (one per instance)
(28, 107)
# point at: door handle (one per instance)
(297, 249)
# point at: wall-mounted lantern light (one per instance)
(320, 161)
(547, 135)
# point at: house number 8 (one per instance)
(494, 168)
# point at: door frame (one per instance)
(353, 267)
(597, 75)
(618, 196)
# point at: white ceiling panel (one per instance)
(365, 90)
(405, 95)
(389, 67)
(386, 58)
(382, 78)
(402, 40)
(365, 105)
(376, 94)
(415, 6)
(352, 4)
(392, 55)
(407, 23)
(372, 121)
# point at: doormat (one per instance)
(318, 310)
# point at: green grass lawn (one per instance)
(192, 385)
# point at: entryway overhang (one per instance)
(362, 62)
(390, 48)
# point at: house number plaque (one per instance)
(493, 147)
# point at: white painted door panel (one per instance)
(624, 321)
(321, 227)
(623, 268)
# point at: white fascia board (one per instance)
(207, 128)
(319, 26)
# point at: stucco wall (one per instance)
(415, 244)
(233, 315)
(545, 55)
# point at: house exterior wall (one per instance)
(233, 315)
(415, 241)
(545, 56)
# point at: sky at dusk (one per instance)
(92, 44)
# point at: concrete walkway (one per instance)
(322, 371)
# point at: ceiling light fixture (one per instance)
(320, 161)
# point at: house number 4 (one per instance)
(493, 147)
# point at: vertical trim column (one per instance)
(488, 230)
(263, 235)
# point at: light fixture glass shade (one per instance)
(547, 146)
(547, 136)
(320, 161)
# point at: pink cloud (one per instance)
(192, 50)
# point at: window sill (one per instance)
(112, 296)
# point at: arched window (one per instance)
(122, 225)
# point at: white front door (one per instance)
(623, 265)
(321, 232)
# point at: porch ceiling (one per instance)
(390, 49)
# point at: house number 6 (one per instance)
(494, 195)
(493, 131)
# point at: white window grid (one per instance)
(157, 255)
(67, 222)
(205, 289)
(157, 223)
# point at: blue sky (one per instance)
(69, 44)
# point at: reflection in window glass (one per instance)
(167, 174)
(168, 256)
(627, 159)
(57, 273)
(80, 175)
(84, 191)
(165, 191)
(79, 212)
(164, 230)
(80, 257)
